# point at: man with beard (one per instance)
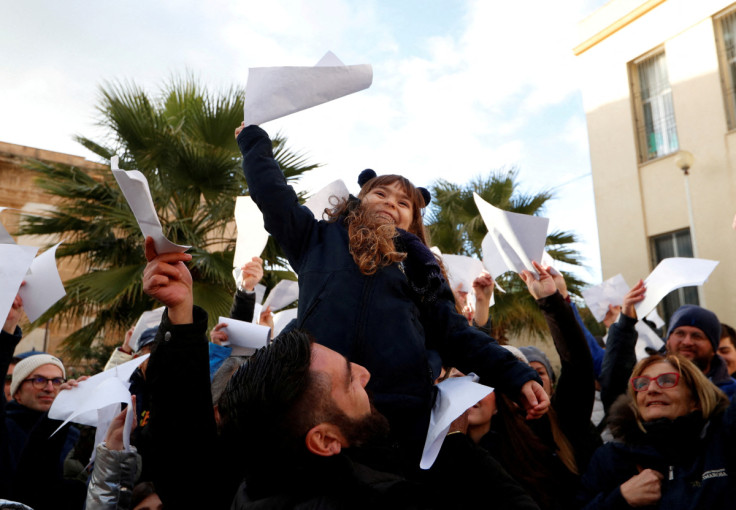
(694, 333)
(297, 425)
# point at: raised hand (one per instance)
(534, 400)
(167, 279)
(636, 294)
(541, 288)
(218, 335)
(252, 272)
(14, 315)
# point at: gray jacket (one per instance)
(113, 478)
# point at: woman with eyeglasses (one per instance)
(674, 444)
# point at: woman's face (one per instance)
(728, 353)
(542, 371)
(391, 204)
(655, 402)
(482, 412)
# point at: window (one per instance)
(725, 30)
(655, 115)
(674, 244)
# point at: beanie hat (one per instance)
(534, 354)
(516, 352)
(25, 367)
(697, 317)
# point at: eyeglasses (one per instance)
(40, 382)
(664, 381)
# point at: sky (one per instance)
(460, 87)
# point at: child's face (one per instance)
(390, 203)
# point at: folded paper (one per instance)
(16, 260)
(282, 295)
(610, 292)
(647, 338)
(246, 334)
(455, 396)
(327, 198)
(281, 319)
(149, 319)
(670, 274)
(274, 92)
(43, 285)
(513, 239)
(134, 186)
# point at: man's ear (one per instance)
(325, 440)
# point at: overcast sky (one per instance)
(460, 87)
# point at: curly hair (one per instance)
(371, 242)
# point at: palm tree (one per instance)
(182, 141)
(456, 227)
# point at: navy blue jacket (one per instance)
(372, 320)
(696, 458)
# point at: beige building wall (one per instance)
(19, 192)
(636, 201)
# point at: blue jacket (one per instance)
(696, 458)
(372, 320)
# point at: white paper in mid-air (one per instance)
(281, 319)
(14, 267)
(147, 320)
(670, 274)
(5, 237)
(462, 270)
(105, 416)
(274, 92)
(80, 404)
(134, 186)
(245, 334)
(647, 338)
(283, 294)
(513, 239)
(455, 396)
(327, 198)
(654, 317)
(43, 285)
(252, 236)
(610, 292)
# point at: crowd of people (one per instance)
(334, 412)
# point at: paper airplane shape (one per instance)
(274, 92)
(513, 239)
(610, 292)
(670, 274)
(252, 236)
(43, 285)
(134, 186)
(455, 395)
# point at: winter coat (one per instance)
(376, 321)
(695, 456)
(30, 454)
(113, 478)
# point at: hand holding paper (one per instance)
(245, 334)
(134, 186)
(273, 92)
(610, 292)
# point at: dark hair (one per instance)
(728, 332)
(140, 492)
(271, 402)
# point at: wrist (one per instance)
(182, 313)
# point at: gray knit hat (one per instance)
(697, 317)
(534, 354)
(25, 367)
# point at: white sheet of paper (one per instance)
(274, 92)
(147, 320)
(105, 416)
(246, 334)
(327, 198)
(551, 263)
(134, 186)
(80, 404)
(252, 236)
(260, 292)
(455, 396)
(670, 274)
(654, 317)
(281, 319)
(610, 292)
(257, 309)
(283, 294)
(5, 237)
(15, 263)
(43, 285)
(462, 270)
(647, 338)
(513, 239)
